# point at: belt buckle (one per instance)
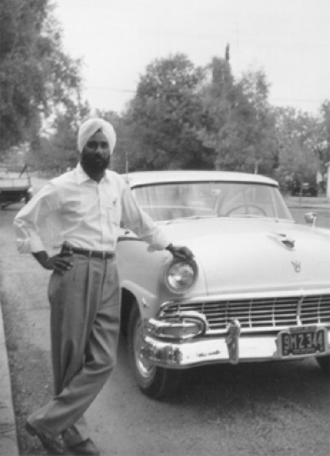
(66, 248)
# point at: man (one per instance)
(71, 227)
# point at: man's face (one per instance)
(95, 156)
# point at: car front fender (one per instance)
(148, 302)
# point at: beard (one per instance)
(94, 163)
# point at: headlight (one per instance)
(181, 276)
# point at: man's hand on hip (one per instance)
(57, 263)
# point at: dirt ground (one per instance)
(305, 418)
(29, 364)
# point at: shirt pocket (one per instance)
(114, 211)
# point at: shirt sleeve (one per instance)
(32, 218)
(141, 223)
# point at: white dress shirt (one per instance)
(83, 212)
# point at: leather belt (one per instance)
(89, 253)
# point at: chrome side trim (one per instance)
(251, 295)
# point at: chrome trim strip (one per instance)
(248, 295)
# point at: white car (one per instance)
(257, 290)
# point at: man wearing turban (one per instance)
(71, 227)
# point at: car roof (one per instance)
(140, 178)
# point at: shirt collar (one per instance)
(83, 177)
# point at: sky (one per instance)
(289, 40)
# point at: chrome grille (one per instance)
(267, 313)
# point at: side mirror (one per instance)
(310, 218)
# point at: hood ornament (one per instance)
(285, 240)
(297, 265)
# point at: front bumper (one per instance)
(230, 348)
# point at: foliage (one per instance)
(240, 127)
(35, 74)
(323, 147)
(57, 151)
(125, 146)
(298, 143)
(186, 117)
(165, 115)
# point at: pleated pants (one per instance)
(85, 319)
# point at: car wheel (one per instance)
(324, 363)
(155, 382)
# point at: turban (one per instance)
(91, 126)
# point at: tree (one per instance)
(298, 142)
(219, 97)
(55, 150)
(165, 116)
(36, 76)
(240, 126)
(323, 148)
(260, 128)
(125, 151)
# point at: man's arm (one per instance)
(144, 226)
(27, 225)
(31, 217)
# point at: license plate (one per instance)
(302, 341)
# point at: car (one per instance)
(15, 186)
(307, 186)
(257, 289)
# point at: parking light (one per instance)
(184, 325)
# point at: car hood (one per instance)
(244, 255)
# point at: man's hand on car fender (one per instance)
(180, 252)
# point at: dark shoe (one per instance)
(86, 447)
(53, 445)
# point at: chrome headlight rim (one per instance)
(188, 267)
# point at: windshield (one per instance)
(211, 199)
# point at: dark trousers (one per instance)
(85, 318)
